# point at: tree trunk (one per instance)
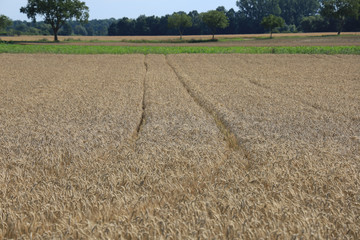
(341, 25)
(213, 38)
(56, 36)
(271, 33)
(56, 30)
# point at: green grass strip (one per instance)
(70, 49)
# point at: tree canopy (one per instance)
(270, 22)
(4, 22)
(56, 12)
(258, 9)
(293, 11)
(179, 21)
(214, 20)
(340, 10)
(299, 15)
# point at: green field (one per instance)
(70, 49)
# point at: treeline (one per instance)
(299, 15)
(92, 28)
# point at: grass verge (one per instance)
(267, 37)
(69, 49)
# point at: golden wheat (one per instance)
(179, 146)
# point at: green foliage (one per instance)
(257, 9)
(4, 22)
(80, 30)
(66, 30)
(214, 20)
(56, 12)
(179, 21)
(271, 22)
(314, 24)
(340, 10)
(301, 13)
(293, 11)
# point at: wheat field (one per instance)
(187, 146)
(122, 38)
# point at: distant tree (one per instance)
(56, 12)
(90, 30)
(21, 27)
(271, 22)
(112, 30)
(80, 30)
(66, 29)
(45, 29)
(293, 11)
(340, 10)
(197, 24)
(141, 26)
(315, 23)
(257, 9)
(253, 11)
(231, 15)
(163, 25)
(4, 22)
(214, 20)
(154, 25)
(221, 9)
(179, 21)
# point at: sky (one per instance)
(104, 9)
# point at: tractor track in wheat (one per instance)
(143, 105)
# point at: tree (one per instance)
(233, 23)
(270, 22)
(125, 26)
(141, 26)
(66, 29)
(56, 12)
(179, 21)
(80, 30)
(197, 25)
(293, 11)
(315, 23)
(340, 10)
(257, 9)
(253, 11)
(214, 20)
(153, 24)
(4, 22)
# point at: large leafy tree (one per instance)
(4, 22)
(179, 21)
(256, 10)
(293, 11)
(214, 20)
(66, 30)
(197, 24)
(340, 10)
(56, 12)
(270, 22)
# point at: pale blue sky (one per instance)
(103, 9)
